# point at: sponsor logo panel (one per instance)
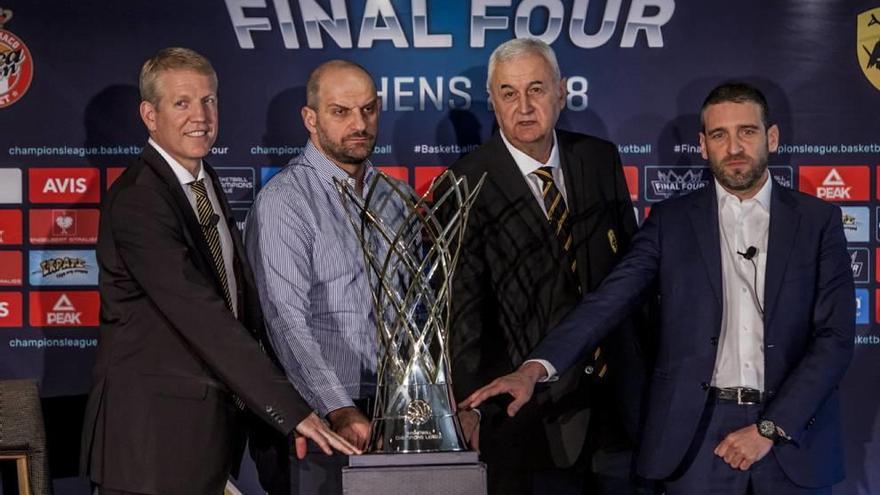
(238, 183)
(10, 227)
(424, 175)
(631, 172)
(856, 220)
(860, 260)
(10, 268)
(113, 173)
(64, 226)
(64, 309)
(64, 185)
(397, 172)
(267, 173)
(11, 309)
(783, 174)
(10, 186)
(862, 307)
(667, 182)
(836, 183)
(63, 268)
(240, 215)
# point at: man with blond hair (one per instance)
(180, 371)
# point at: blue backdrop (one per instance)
(637, 72)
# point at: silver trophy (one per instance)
(410, 246)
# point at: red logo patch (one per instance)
(64, 185)
(10, 227)
(113, 173)
(424, 177)
(399, 173)
(632, 181)
(64, 309)
(10, 268)
(10, 309)
(837, 182)
(74, 226)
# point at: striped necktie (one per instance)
(557, 214)
(211, 234)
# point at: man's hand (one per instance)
(318, 431)
(743, 447)
(520, 384)
(470, 427)
(353, 426)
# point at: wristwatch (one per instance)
(769, 429)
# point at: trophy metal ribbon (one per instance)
(410, 246)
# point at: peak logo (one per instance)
(16, 64)
(64, 309)
(667, 182)
(64, 185)
(836, 183)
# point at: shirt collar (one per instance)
(527, 164)
(329, 170)
(182, 174)
(762, 197)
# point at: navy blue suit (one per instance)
(808, 327)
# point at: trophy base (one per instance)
(421, 419)
(442, 473)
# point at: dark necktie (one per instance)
(211, 234)
(557, 214)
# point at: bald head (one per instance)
(330, 71)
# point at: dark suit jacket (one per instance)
(160, 416)
(808, 327)
(513, 284)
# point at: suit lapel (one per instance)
(704, 220)
(194, 228)
(509, 179)
(784, 222)
(579, 199)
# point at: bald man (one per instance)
(309, 267)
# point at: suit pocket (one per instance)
(177, 386)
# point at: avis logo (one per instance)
(64, 185)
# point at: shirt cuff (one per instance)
(551, 370)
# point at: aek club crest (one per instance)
(868, 45)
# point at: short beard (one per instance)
(337, 151)
(742, 181)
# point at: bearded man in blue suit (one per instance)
(757, 324)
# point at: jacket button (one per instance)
(713, 341)
(704, 386)
(812, 421)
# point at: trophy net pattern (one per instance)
(410, 246)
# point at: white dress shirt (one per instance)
(185, 177)
(742, 224)
(528, 165)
